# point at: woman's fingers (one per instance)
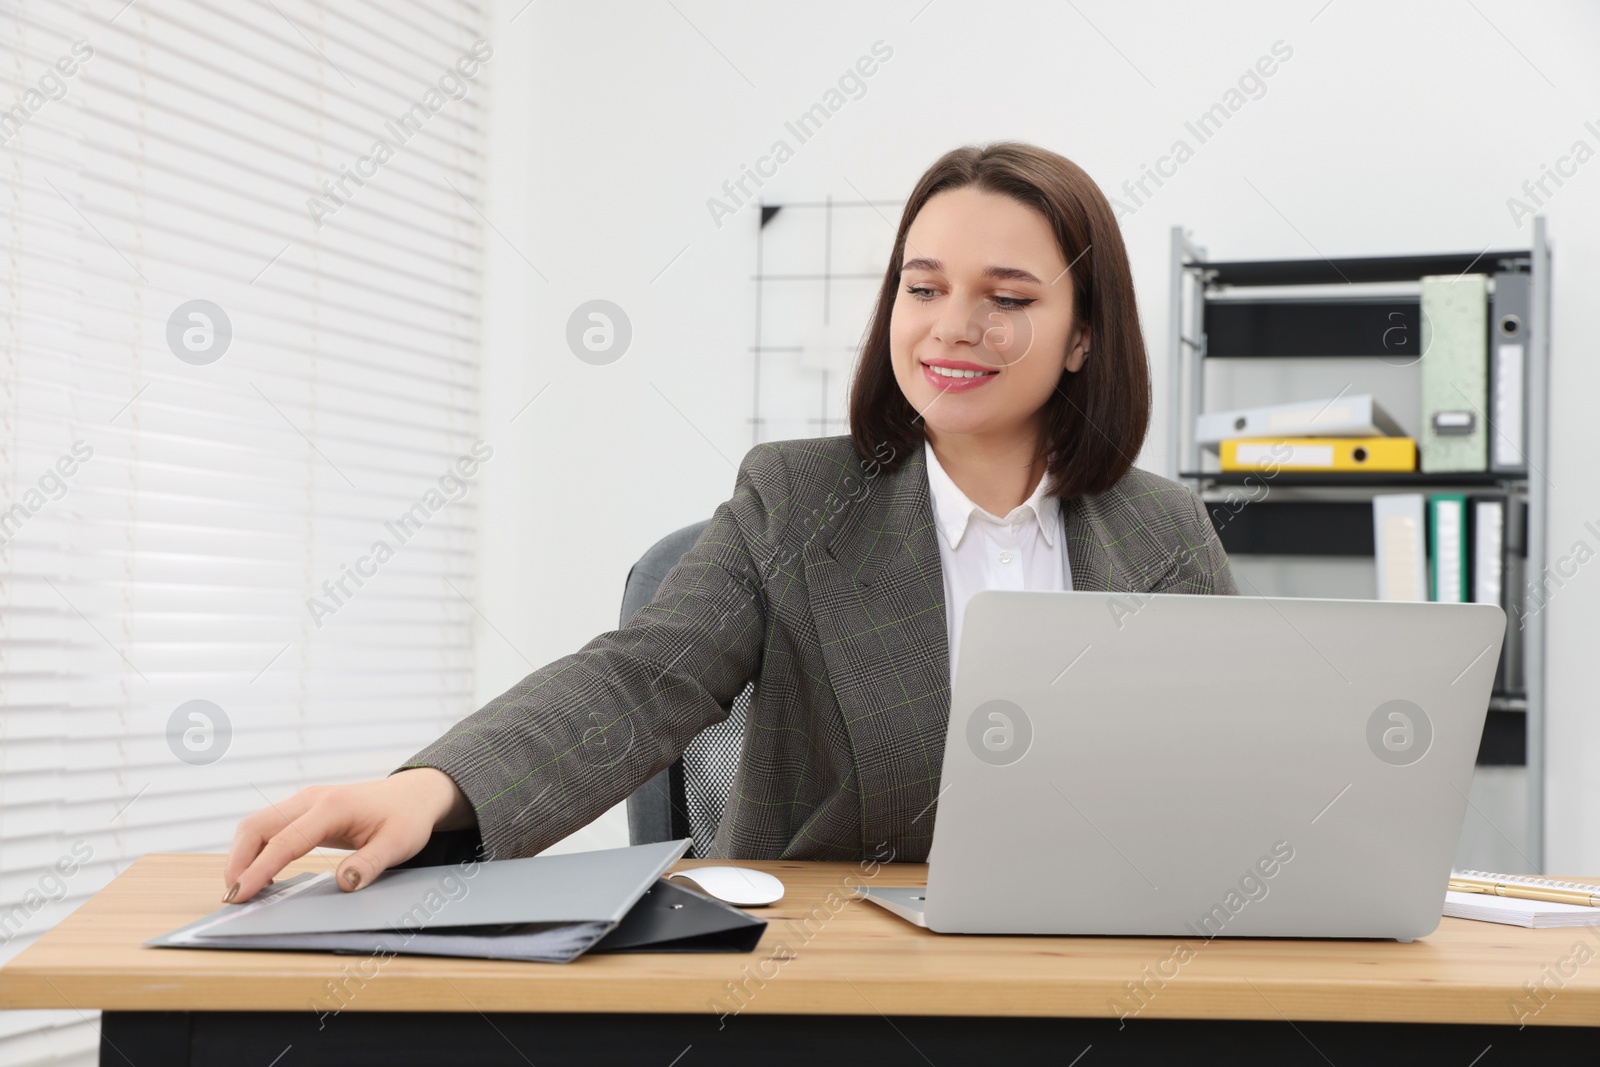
(287, 845)
(257, 828)
(386, 821)
(393, 842)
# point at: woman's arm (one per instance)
(1211, 561)
(580, 734)
(1202, 561)
(572, 738)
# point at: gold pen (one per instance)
(1588, 896)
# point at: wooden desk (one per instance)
(832, 976)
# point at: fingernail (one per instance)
(233, 891)
(352, 878)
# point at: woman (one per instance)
(999, 402)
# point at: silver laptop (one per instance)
(1204, 766)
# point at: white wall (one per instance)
(1392, 129)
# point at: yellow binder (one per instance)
(1319, 454)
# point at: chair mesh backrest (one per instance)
(695, 789)
(708, 766)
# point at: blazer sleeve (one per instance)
(576, 736)
(1202, 561)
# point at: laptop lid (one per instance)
(1207, 766)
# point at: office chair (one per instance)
(686, 799)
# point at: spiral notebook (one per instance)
(1516, 911)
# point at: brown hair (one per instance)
(1095, 422)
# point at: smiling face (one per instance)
(982, 325)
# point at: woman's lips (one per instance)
(955, 385)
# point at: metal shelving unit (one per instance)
(1331, 515)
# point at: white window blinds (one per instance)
(238, 422)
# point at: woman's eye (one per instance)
(1007, 303)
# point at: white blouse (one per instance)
(1025, 550)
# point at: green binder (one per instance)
(1455, 373)
(1447, 547)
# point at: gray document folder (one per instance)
(548, 909)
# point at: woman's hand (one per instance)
(386, 821)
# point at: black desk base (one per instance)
(431, 1039)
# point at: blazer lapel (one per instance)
(1100, 559)
(1108, 557)
(877, 597)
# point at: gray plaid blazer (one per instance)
(821, 581)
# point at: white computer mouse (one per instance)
(736, 885)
